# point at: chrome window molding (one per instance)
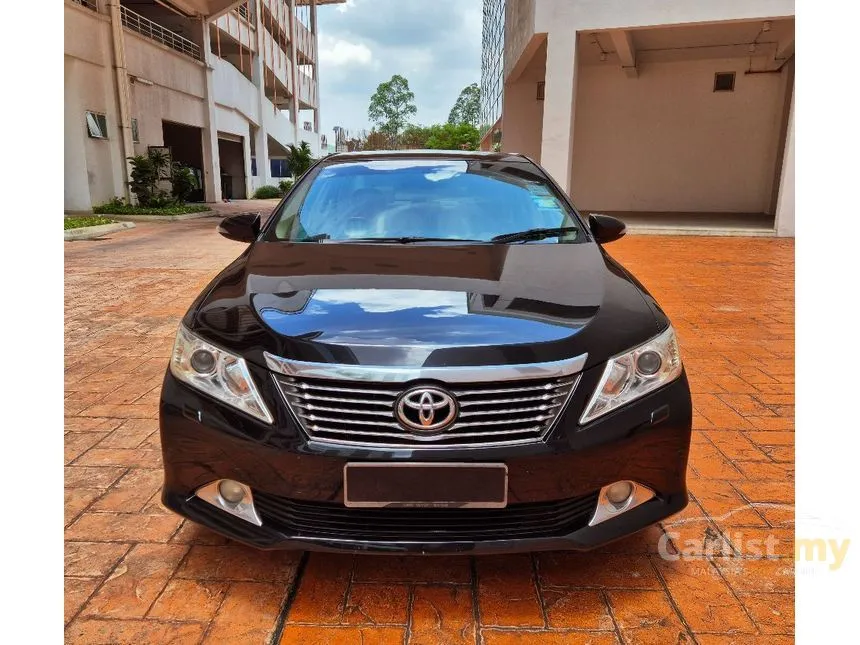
(454, 374)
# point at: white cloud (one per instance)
(337, 52)
(451, 303)
(435, 45)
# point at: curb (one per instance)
(160, 218)
(92, 232)
(701, 232)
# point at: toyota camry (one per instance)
(426, 352)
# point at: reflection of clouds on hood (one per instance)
(444, 303)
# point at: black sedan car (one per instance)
(425, 352)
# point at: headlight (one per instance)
(216, 372)
(634, 374)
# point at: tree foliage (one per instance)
(414, 137)
(448, 136)
(183, 182)
(300, 159)
(391, 106)
(146, 172)
(467, 108)
(376, 140)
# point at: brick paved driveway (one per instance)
(138, 574)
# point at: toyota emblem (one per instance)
(426, 410)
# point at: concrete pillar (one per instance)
(123, 93)
(246, 154)
(294, 70)
(558, 108)
(261, 136)
(785, 201)
(316, 66)
(76, 186)
(211, 160)
(261, 150)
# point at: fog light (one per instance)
(649, 363)
(231, 497)
(230, 491)
(203, 361)
(618, 493)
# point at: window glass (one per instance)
(96, 125)
(468, 199)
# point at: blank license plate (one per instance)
(434, 485)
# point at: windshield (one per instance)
(441, 199)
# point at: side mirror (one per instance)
(605, 228)
(244, 227)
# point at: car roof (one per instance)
(429, 154)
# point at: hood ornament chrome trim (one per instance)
(453, 374)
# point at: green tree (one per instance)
(300, 159)
(376, 140)
(467, 108)
(448, 136)
(414, 137)
(391, 106)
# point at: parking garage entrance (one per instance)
(231, 158)
(185, 143)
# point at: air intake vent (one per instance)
(724, 82)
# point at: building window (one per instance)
(254, 166)
(97, 125)
(724, 82)
(279, 167)
(135, 133)
(492, 63)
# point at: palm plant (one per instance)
(146, 171)
(299, 159)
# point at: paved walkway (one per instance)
(136, 573)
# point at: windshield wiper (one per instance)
(407, 239)
(533, 234)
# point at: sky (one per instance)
(435, 44)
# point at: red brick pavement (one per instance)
(136, 573)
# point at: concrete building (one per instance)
(674, 114)
(225, 86)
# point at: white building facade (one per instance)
(223, 86)
(653, 110)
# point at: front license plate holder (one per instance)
(425, 485)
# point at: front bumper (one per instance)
(300, 484)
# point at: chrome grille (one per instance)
(363, 412)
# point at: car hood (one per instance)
(424, 305)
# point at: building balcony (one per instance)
(153, 31)
(89, 4)
(306, 44)
(239, 29)
(276, 60)
(307, 91)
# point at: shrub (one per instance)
(267, 192)
(183, 182)
(118, 207)
(81, 222)
(285, 185)
(146, 171)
